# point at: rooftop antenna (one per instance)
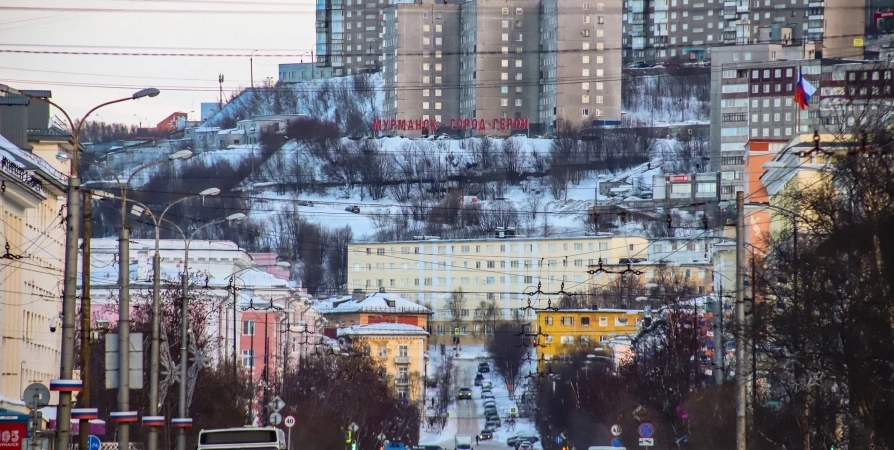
(220, 80)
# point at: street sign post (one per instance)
(277, 404)
(36, 396)
(616, 430)
(93, 442)
(616, 442)
(289, 423)
(275, 419)
(646, 430)
(646, 442)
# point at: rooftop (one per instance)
(377, 302)
(496, 239)
(383, 329)
(600, 310)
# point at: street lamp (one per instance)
(69, 298)
(124, 296)
(138, 210)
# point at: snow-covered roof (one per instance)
(603, 310)
(383, 329)
(164, 244)
(252, 278)
(231, 131)
(377, 302)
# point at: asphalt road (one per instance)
(470, 414)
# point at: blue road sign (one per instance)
(93, 442)
(616, 442)
(559, 439)
(646, 431)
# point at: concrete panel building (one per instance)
(421, 67)
(500, 62)
(580, 64)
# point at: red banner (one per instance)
(455, 124)
(12, 434)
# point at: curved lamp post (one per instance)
(69, 299)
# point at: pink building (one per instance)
(268, 263)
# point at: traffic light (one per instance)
(348, 436)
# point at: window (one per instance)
(586, 19)
(585, 59)
(585, 99)
(567, 321)
(505, 50)
(504, 63)
(504, 37)
(621, 321)
(603, 321)
(585, 86)
(505, 11)
(600, 19)
(519, 11)
(426, 28)
(585, 112)
(518, 63)
(403, 350)
(505, 24)
(567, 340)
(584, 321)
(548, 320)
(248, 359)
(248, 327)
(518, 102)
(504, 102)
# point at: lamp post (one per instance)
(156, 309)
(184, 331)
(69, 298)
(124, 296)
(251, 62)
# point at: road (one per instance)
(470, 414)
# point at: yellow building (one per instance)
(400, 348)
(465, 282)
(569, 330)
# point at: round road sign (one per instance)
(36, 396)
(646, 430)
(289, 421)
(616, 442)
(275, 419)
(616, 430)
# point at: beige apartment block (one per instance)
(580, 63)
(421, 66)
(493, 274)
(499, 66)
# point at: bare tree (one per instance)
(508, 354)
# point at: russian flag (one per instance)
(803, 91)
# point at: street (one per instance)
(470, 418)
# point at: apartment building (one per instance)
(752, 100)
(349, 37)
(580, 63)
(581, 330)
(499, 69)
(300, 72)
(421, 67)
(461, 279)
(687, 30)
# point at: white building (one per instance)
(212, 263)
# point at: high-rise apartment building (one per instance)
(349, 35)
(663, 30)
(500, 58)
(421, 67)
(580, 63)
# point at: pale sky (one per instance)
(80, 82)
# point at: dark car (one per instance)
(514, 441)
(305, 203)
(464, 394)
(483, 367)
(486, 434)
(479, 379)
(353, 209)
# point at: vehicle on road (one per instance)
(428, 447)
(489, 402)
(492, 424)
(242, 438)
(464, 394)
(463, 442)
(483, 367)
(487, 394)
(525, 445)
(515, 440)
(353, 209)
(305, 203)
(487, 385)
(486, 434)
(479, 379)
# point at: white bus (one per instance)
(242, 439)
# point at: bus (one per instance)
(242, 439)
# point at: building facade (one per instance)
(421, 67)
(468, 283)
(575, 330)
(580, 64)
(303, 72)
(399, 348)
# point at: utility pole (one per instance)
(184, 357)
(719, 350)
(154, 351)
(86, 317)
(753, 333)
(124, 327)
(220, 80)
(741, 353)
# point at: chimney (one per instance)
(381, 288)
(594, 307)
(358, 295)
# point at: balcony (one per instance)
(816, 5)
(402, 381)
(729, 13)
(401, 360)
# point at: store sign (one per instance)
(12, 434)
(454, 124)
(680, 178)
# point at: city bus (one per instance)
(242, 439)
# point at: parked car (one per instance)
(487, 394)
(305, 203)
(353, 209)
(490, 403)
(492, 424)
(487, 385)
(479, 379)
(483, 367)
(515, 440)
(525, 445)
(486, 434)
(464, 394)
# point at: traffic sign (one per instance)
(559, 439)
(289, 421)
(646, 430)
(646, 442)
(93, 443)
(36, 396)
(616, 430)
(277, 404)
(616, 442)
(353, 427)
(275, 419)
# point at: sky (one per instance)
(31, 31)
